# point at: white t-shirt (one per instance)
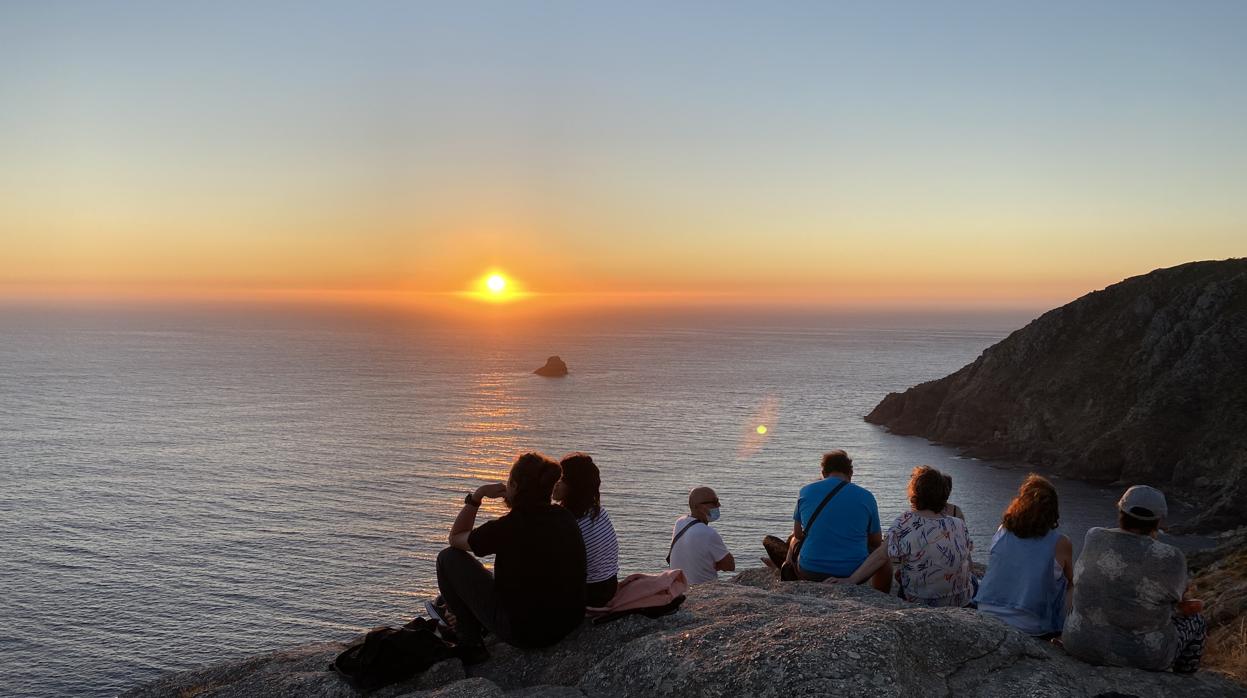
(697, 551)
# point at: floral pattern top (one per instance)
(934, 559)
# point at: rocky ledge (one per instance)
(1143, 381)
(1221, 581)
(750, 636)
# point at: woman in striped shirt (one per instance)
(578, 492)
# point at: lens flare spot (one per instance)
(761, 429)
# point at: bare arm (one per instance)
(873, 541)
(876, 559)
(1064, 555)
(727, 564)
(462, 528)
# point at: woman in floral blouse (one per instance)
(933, 549)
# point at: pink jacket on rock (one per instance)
(639, 591)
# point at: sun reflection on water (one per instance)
(492, 433)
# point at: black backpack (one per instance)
(389, 655)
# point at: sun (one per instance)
(496, 287)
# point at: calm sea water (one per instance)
(181, 489)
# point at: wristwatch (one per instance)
(471, 501)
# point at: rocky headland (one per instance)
(1142, 382)
(750, 636)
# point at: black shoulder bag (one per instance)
(789, 572)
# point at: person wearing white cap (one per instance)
(1128, 594)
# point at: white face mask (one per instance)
(713, 514)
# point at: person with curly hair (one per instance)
(932, 549)
(1030, 575)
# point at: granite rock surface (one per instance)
(750, 636)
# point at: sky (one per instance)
(966, 154)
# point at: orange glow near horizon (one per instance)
(881, 294)
(678, 163)
(496, 287)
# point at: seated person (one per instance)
(578, 492)
(697, 548)
(933, 550)
(1127, 590)
(536, 594)
(845, 532)
(1030, 575)
(951, 509)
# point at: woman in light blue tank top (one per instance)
(1030, 573)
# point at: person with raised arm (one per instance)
(536, 594)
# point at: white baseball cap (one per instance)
(1144, 503)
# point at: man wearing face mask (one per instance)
(697, 548)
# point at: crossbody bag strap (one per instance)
(679, 535)
(805, 530)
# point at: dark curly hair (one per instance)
(583, 482)
(534, 476)
(1034, 511)
(927, 489)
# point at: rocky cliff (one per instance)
(1142, 382)
(751, 636)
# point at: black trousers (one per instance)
(598, 594)
(468, 589)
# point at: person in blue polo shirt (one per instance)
(844, 532)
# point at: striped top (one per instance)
(601, 547)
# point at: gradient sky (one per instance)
(969, 153)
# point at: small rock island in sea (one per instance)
(554, 368)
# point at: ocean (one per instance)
(181, 487)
